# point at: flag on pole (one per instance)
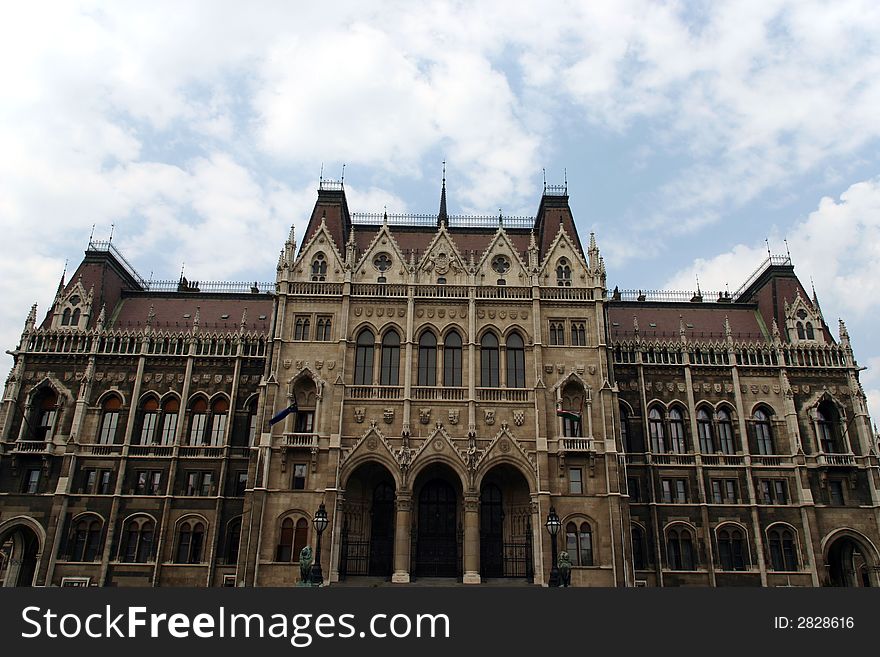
(283, 413)
(571, 415)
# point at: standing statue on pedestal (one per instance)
(563, 563)
(305, 566)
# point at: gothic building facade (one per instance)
(452, 380)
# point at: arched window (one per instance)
(489, 361)
(322, 328)
(170, 411)
(84, 543)
(233, 538)
(783, 555)
(149, 421)
(285, 541)
(725, 432)
(624, 428)
(800, 331)
(137, 541)
(319, 267)
(563, 273)
(579, 543)
(680, 548)
(704, 429)
(252, 422)
(655, 429)
(190, 540)
(811, 334)
(219, 416)
(74, 318)
(65, 317)
(677, 441)
(109, 420)
(763, 433)
(516, 361)
(46, 405)
(363, 358)
(639, 551)
(427, 360)
(301, 328)
(557, 333)
(300, 537)
(732, 549)
(389, 372)
(826, 426)
(452, 360)
(198, 421)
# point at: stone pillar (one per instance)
(471, 539)
(402, 525)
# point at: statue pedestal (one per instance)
(400, 577)
(471, 578)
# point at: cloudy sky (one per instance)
(690, 132)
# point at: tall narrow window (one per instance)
(198, 421)
(363, 359)
(65, 317)
(704, 428)
(301, 328)
(624, 429)
(300, 536)
(731, 549)
(319, 267)
(783, 555)
(74, 319)
(516, 362)
(579, 543)
(763, 433)
(563, 273)
(489, 361)
(579, 334)
(680, 549)
(638, 543)
(677, 440)
(800, 331)
(285, 541)
(557, 333)
(137, 541)
(427, 359)
(190, 539)
(47, 403)
(233, 538)
(655, 428)
(109, 420)
(725, 432)
(149, 421)
(389, 373)
(826, 425)
(322, 328)
(452, 360)
(85, 540)
(219, 416)
(252, 423)
(170, 410)
(811, 335)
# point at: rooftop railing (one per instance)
(453, 220)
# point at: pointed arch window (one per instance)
(65, 317)
(47, 404)
(489, 366)
(452, 360)
(811, 334)
(783, 556)
(319, 267)
(763, 432)
(322, 328)
(732, 549)
(198, 421)
(285, 541)
(427, 375)
(252, 422)
(800, 331)
(680, 548)
(826, 426)
(516, 361)
(301, 328)
(84, 543)
(677, 440)
(655, 429)
(170, 411)
(109, 420)
(300, 537)
(624, 428)
(74, 318)
(190, 540)
(219, 417)
(563, 273)
(389, 372)
(233, 538)
(149, 421)
(725, 432)
(579, 543)
(363, 359)
(557, 333)
(137, 541)
(704, 429)
(639, 551)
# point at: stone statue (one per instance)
(305, 565)
(563, 563)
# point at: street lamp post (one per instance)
(553, 524)
(320, 525)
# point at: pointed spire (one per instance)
(242, 325)
(291, 236)
(602, 266)
(844, 334)
(385, 216)
(197, 319)
(151, 315)
(815, 298)
(593, 246)
(442, 217)
(102, 318)
(31, 320)
(777, 336)
(727, 332)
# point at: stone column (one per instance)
(471, 539)
(402, 525)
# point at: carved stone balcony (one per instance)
(575, 445)
(723, 459)
(201, 451)
(374, 392)
(31, 446)
(150, 450)
(672, 459)
(842, 460)
(302, 440)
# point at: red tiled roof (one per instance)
(701, 322)
(170, 312)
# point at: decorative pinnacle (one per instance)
(777, 337)
(151, 315)
(727, 331)
(243, 323)
(636, 324)
(844, 334)
(197, 319)
(102, 317)
(593, 246)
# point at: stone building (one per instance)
(454, 379)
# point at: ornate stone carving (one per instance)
(489, 415)
(453, 415)
(424, 415)
(519, 417)
(359, 414)
(388, 415)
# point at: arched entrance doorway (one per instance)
(19, 548)
(849, 563)
(438, 529)
(505, 525)
(367, 545)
